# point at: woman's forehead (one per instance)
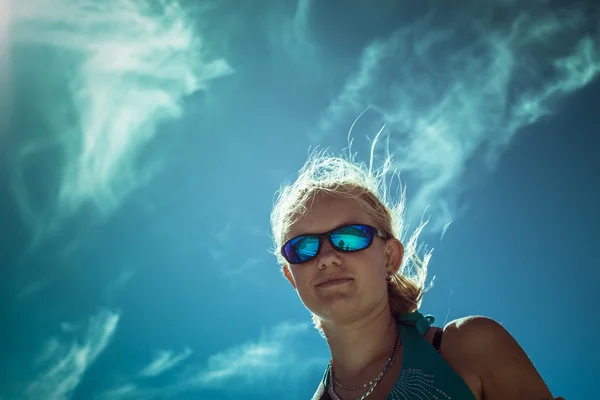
(326, 213)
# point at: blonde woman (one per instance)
(339, 242)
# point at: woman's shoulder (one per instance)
(461, 332)
(471, 336)
(486, 355)
(465, 347)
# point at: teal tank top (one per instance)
(424, 374)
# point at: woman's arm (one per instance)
(488, 351)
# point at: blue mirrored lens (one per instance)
(352, 238)
(346, 238)
(301, 248)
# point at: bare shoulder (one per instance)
(457, 349)
(473, 334)
(490, 360)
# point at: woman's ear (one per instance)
(288, 275)
(394, 253)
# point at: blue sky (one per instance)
(142, 146)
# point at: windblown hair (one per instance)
(342, 177)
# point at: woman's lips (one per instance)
(334, 282)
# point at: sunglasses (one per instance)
(347, 239)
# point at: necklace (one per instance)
(372, 384)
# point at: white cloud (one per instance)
(118, 69)
(119, 284)
(164, 361)
(275, 363)
(69, 327)
(64, 362)
(277, 358)
(247, 272)
(31, 288)
(50, 348)
(450, 95)
(291, 33)
(127, 391)
(236, 267)
(5, 72)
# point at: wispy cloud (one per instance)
(455, 88)
(119, 284)
(244, 273)
(69, 327)
(233, 264)
(290, 33)
(5, 72)
(253, 363)
(64, 362)
(120, 68)
(164, 361)
(50, 348)
(30, 289)
(126, 391)
(274, 363)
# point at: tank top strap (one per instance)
(415, 319)
(424, 370)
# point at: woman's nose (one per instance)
(328, 255)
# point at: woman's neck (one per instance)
(359, 351)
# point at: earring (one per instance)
(389, 277)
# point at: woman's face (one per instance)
(364, 288)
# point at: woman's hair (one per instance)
(342, 177)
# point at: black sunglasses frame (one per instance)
(374, 232)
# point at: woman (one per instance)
(337, 238)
